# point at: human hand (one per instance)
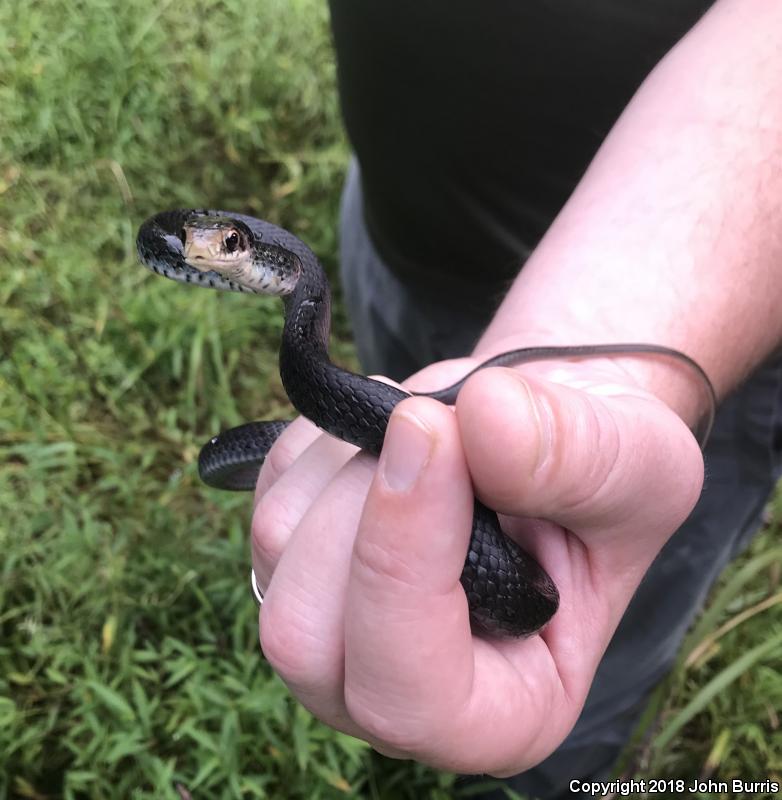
(364, 617)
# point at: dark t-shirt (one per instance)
(473, 121)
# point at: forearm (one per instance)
(674, 235)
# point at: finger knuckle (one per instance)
(290, 647)
(279, 458)
(389, 725)
(385, 560)
(272, 524)
(583, 458)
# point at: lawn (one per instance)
(129, 664)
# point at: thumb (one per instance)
(406, 612)
(591, 458)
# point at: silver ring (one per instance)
(257, 593)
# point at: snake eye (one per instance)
(232, 242)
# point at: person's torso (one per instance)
(473, 121)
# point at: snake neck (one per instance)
(352, 407)
(308, 310)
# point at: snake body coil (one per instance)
(509, 594)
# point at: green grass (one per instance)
(129, 664)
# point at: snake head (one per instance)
(215, 249)
(228, 246)
(216, 243)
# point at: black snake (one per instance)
(508, 593)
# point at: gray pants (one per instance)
(398, 331)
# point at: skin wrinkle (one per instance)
(376, 563)
(388, 564)
(579, 563)
(594, 484)
(542, 414)
(598, 602)
(505, 650)
(496, 496)
(277, 461)
(275, 517)
(284, 643)
(588, 436)
(362, 695)
(387, 728)
(604, 500)
(376, 711)
(561, 451)
(365, 676)
(526, 691)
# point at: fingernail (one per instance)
(406, 451)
